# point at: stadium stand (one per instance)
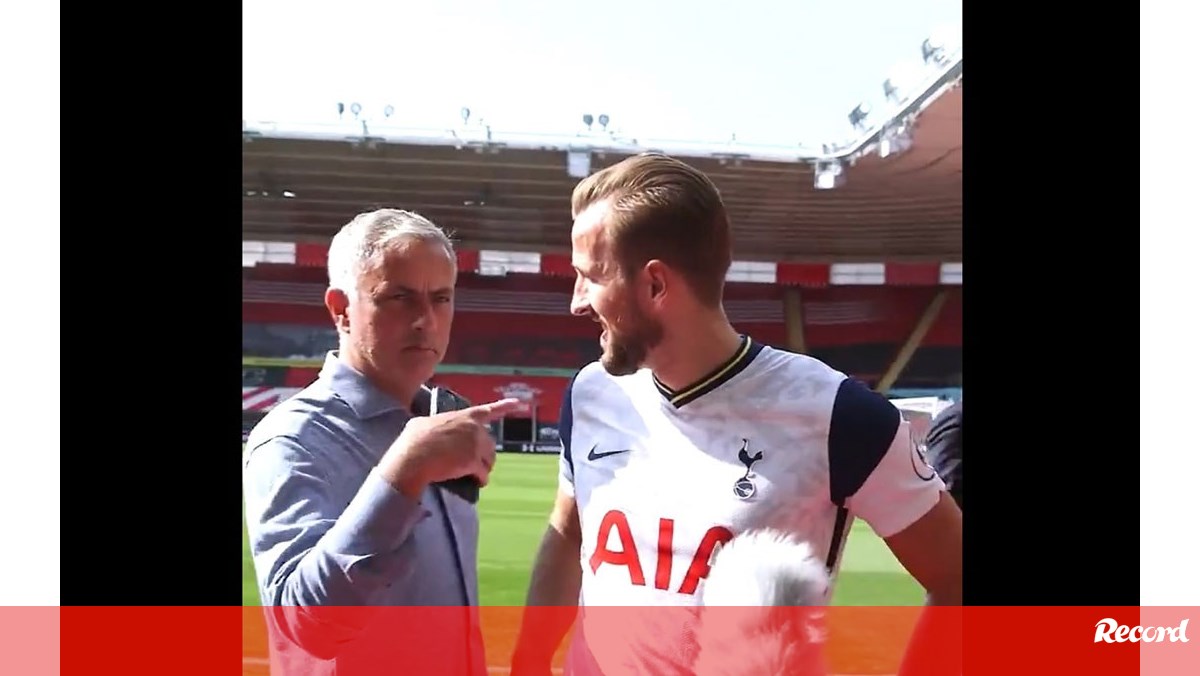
(865, 276)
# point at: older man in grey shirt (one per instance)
(344, 508)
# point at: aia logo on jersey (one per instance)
(744, 488)
(662, 556)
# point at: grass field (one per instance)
(512, 514)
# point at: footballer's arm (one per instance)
(931, 551)
(556, 573)
(553, 597)
(875, 460)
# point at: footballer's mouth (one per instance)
(596, 318)
(605, 332)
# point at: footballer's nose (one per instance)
(579, 303)
(580, 306)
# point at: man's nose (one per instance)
(424, 317)
(579, 304)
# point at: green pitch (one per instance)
(513, 514)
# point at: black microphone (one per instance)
(435, 400)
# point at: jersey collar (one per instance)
(745, 353)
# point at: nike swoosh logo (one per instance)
(593, 455)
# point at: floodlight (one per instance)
(859, 115)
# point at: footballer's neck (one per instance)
(694, 348)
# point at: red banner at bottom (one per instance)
(859, 641)
(29, 640)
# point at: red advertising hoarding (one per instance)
(541, 393)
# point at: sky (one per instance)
(769, 71)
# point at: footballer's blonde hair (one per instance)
(663, 209)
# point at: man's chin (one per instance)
(420, 360)
(619, 363)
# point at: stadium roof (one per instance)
(511, 192)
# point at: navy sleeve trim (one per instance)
(565, 420)
(862, 426)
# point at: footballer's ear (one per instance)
(338, 304)
(655, 274)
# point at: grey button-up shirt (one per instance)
(327, 532)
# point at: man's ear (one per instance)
(338, 304)
(656, 275)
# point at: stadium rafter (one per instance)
(510, 191)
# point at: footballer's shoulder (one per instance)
(589, 379)
(594, 377)
(593, 383)
(796, 366)
(588, 383)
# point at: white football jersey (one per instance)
(769, 439)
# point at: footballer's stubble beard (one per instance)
(628, 342)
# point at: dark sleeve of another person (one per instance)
(944, 449)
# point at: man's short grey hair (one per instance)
(361, 243)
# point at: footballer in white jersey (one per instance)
(770, 439)
(686, 433)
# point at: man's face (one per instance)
(603, 293)
(399, 321)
